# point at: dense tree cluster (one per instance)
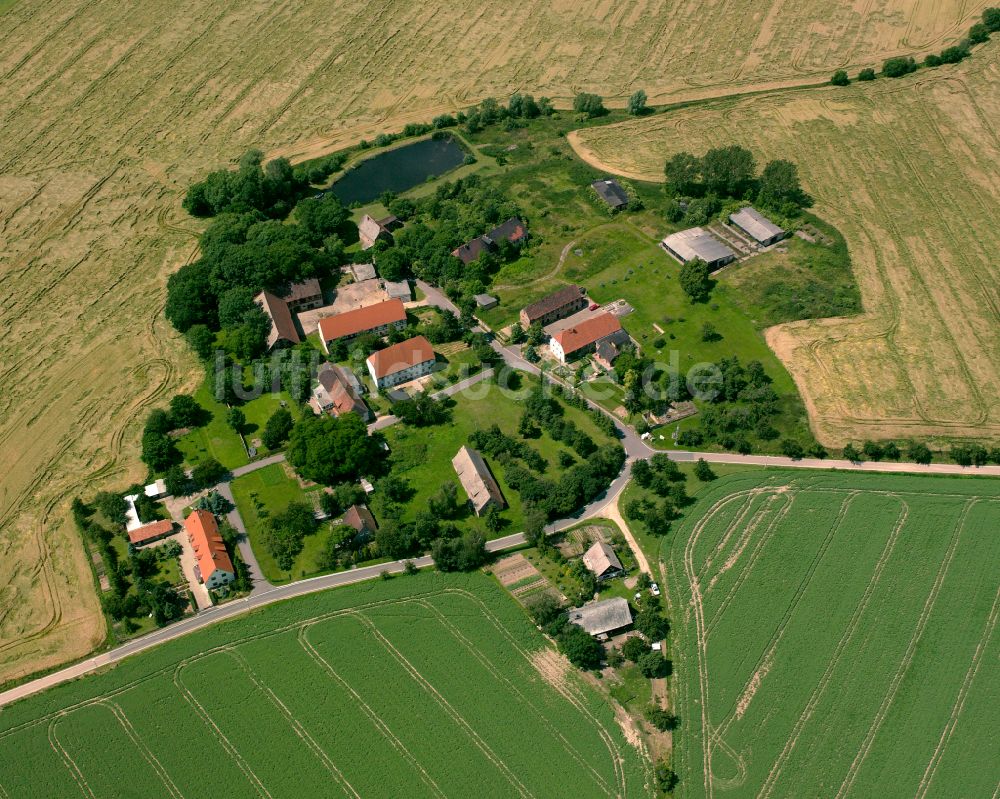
(247, 249)
(270, 188)
(730, 173)
(592, 105)
(462, 553)
(332, 450)
(497, 444)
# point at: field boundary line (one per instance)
(904, 665)
(775, 773)
(444, 704)
(748, 568)
(379, 724)
(295, 724)
(144, 750)
(779, 632)
(501, 677)
(207, 720)
(67, 760)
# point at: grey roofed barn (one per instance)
(398, 290)
(755, 224)
(477, 480)
(611, 192)
(599, 618)
(696, 242)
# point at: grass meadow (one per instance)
(833, 635)
(424, 686)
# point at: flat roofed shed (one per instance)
(753, 222)
(697, 242)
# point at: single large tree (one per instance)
(695, 280)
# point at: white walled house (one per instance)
(401, 362)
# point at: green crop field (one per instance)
(431, 685)
(835, 635)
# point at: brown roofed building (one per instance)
(471, 251)
(378, 319)
(361, 519)
(401, 362)
(335, 394)
(580, 339)
(304, 296)
(283, 332)
(606, 617)
(148, 533)
(371, 230)
(558, 305)
(513, 230)
(212, 563)
(477, 480)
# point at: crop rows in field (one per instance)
(908, 172)
(432, 695)
(834, 635)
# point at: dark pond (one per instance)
(398, 170)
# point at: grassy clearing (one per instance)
(887, 695)
(262, 494)
(919, 223)
(436, 673)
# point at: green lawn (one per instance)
(423, 455)
(262, 494)
(218, 440)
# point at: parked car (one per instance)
(594, 306)
(654, 589)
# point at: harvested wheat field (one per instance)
(108, 115)
(908, 171)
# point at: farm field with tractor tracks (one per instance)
(833, 635)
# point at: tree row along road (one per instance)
(264, 593)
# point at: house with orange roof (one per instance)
(401, 362)
(377, 319)
(148, 533)
(213, 566)
(581, 338)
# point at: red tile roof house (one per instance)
(151, 532)
(378, 319)
(333, 394)
(401, 362)
(283, 330)
(213, 566)
(583, 338)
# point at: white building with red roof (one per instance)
(401, 362)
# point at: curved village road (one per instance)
(264, 593)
